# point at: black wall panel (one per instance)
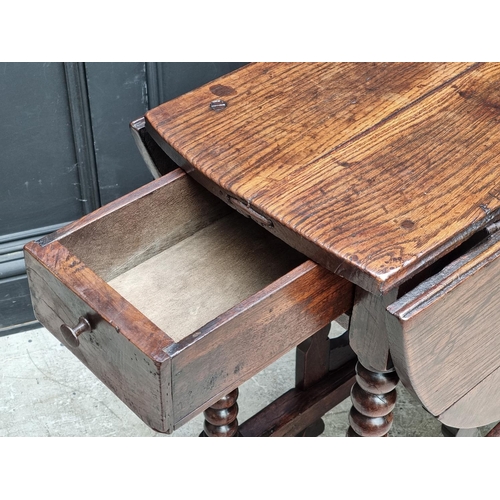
(39, 185)
(179, 78)
(117, 95)
(66, 149)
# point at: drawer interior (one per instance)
(180, 255)
(185, 286)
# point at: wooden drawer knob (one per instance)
(71, 335)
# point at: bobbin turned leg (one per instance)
(373, 397)
(220, 418)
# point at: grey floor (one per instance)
(46, 391)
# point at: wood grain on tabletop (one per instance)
(383, 167)
(444, 342)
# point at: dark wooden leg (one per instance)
(373, 397)
(312, 359)
(314, 430)
(311, 365)
(220, 418)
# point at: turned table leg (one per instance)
(373, 397)
(220, 418)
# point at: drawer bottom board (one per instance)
(186, 286)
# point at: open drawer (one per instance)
(173, 299)
(444, 337)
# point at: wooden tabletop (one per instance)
(373, 170)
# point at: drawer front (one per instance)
(445, 335)
(69, 290)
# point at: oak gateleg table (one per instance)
(385, 176)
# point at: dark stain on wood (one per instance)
(222, 90)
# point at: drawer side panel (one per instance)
(128, 231)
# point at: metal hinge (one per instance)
(248, 211)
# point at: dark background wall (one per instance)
(66, 149)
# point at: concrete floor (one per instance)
(46, 391)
